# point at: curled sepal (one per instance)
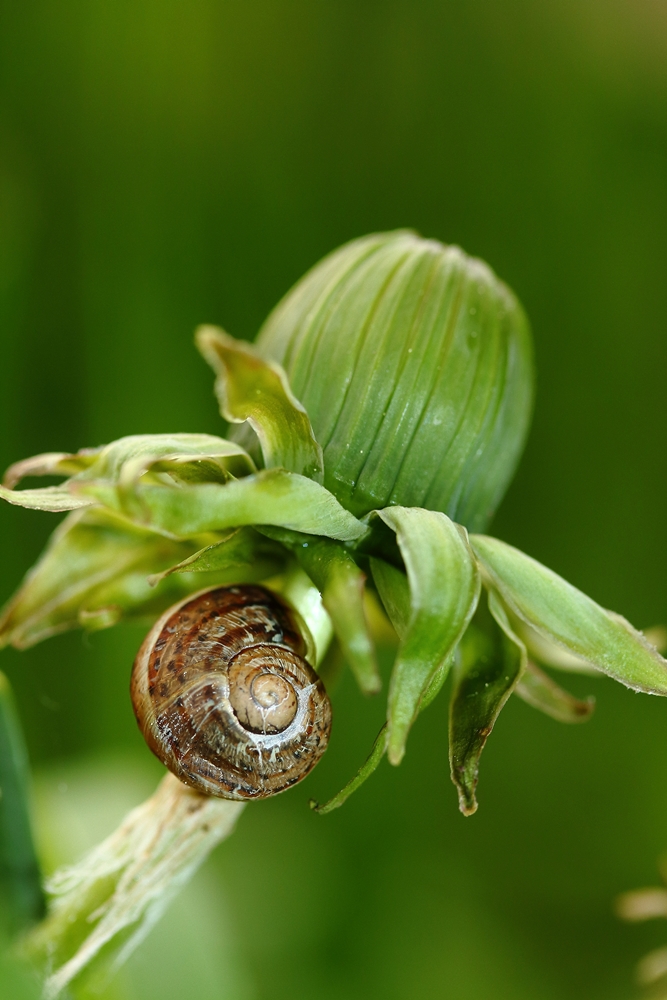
(269, 497)
(364, 772)
(52, 498)
(394, 590)
(241, 549)
(444, 590)
(250, 388)
(52, 463)
(341, 583)
(483, 679)
(184, 458)
(393, 586)
(93, 572)
(550, 653)
(564, 615)
(539, 690)
(304, 598)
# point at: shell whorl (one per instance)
(225, 698)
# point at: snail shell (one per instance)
(225, 698)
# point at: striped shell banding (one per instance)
(225, 698)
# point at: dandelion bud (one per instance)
(414, 363)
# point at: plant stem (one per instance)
(19, 868)
(106, 903)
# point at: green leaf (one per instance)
(296, 587)
(394, 590)
(186, 457)
(183, 457)
(546, 651)
(364, 772)
(269, 497)
(53, 463)
(250, 388)
(341, 583)
(93, 572)
(539, 690)
(241, 548)
(20, 879)
(565, 616)
(484, 678)
(52, 498)
(444, 590)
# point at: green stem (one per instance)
(20, 880)
(364, 772)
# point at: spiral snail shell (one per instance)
(225, 698)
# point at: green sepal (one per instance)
(444, 589)
(93, 572)
(364, 772)
(394, 590)
(55, 499)
(20, 879)
(296, 587)
(273, 497)
(240, 549)
(257, 391)
(550, 653)
(341, 583)
(539, 690)
(185, 458)
(484, 677)
(52, 463)
(565, 616)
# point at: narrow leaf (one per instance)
(567, 617)
(51, 498)
(242, 547)
(302, 595)
(53, 463)
(341, 583)
(482, 684)
(394, 591)
(270, 497)
(250, 388)
(364, 772)
(128, 458)
(444, 590)
(185, 457)
(93, 572)
(19, 868)
(539, 690)
(546, 651)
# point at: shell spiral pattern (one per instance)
(225, 698)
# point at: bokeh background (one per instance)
(164, 164)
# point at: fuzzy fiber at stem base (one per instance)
(123, 886)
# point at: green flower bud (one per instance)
(414, 363)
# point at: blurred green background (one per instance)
(166, 163)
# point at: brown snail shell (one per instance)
(225, 698)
